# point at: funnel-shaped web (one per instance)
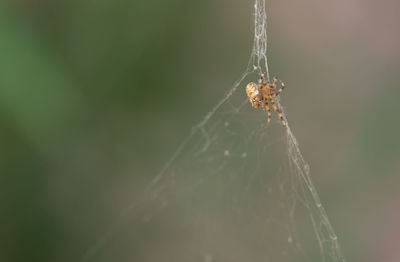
(236, 189)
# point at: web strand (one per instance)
(260, 46)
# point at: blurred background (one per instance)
(95, 96)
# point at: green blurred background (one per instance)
(95, 96)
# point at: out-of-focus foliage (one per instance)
(96, 95)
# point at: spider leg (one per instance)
(263, 104)
(279, 112)
(261, 79)
(280, 90)
(268, 109)
(275, 81)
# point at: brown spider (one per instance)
(264, 91)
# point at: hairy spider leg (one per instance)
(261, 79)
(280, 90)
(279, 112)
(275, 81)
(263, 104)
(268, 109)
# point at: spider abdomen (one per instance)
(254, 94)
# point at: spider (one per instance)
(262, 93)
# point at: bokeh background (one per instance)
(95, 96)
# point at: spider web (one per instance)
(236, 189)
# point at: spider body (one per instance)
(264, 93)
